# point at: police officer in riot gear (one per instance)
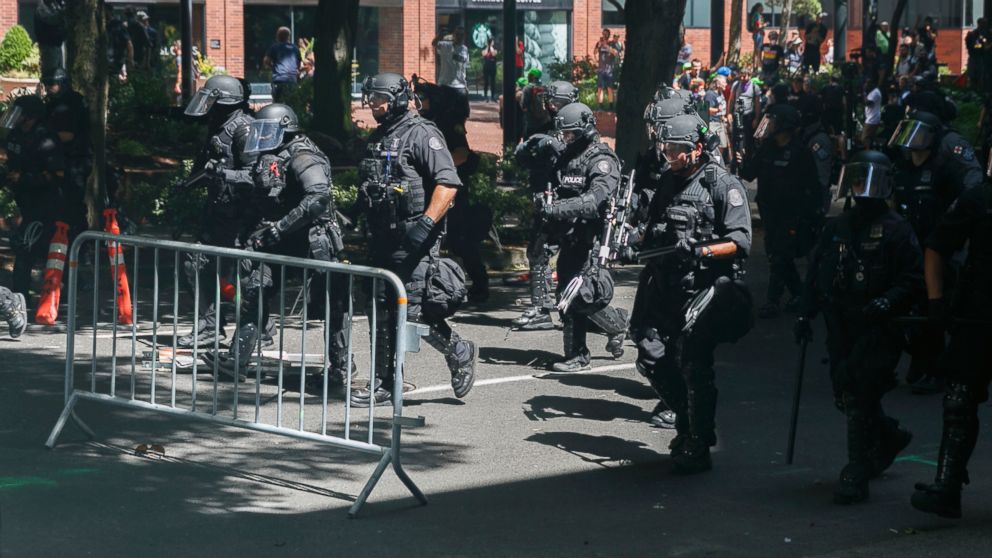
(865, 269)
(69, 119)
(936, 165)
(222, 103)
(968, 362)
(539, 154)
(468, 224)
(35, 164)
(588, 175)
(408, 183)
(289, 187)
(13, 310)
(791, 204)
(816, 139)
(691, 297)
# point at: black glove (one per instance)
(264, 237)
(802, 330)
(215, 167)
(938, 312)
(878, 308)
(418, 232)
(685, 250)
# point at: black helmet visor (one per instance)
(913, 135)
(864, 180)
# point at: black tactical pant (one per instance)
(393, 257)
(782, 246)
(611, 321)
(326, 296)
(467, 227)
(220, 226)
(863, 358)
(678, 365)
(539, 253)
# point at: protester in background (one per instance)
(489, 70)
(153, 57)
(815, 34)
(756, 26)
(685, 54)
(882, 38)
(607, 57)
(284, 59)
(690, 74)
(873, 111)
(139, 39)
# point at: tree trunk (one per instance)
(783, 34)
(890, 57)
(653, 34)
(736, 16)
(333, 46)
(86, 47)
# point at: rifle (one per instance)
(204, 176)
(614, 236)
(655, 253)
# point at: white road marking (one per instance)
(525, 377)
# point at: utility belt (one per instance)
(393, 205)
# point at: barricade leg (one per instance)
(370, 484)
(67, 413)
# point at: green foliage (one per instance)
(300, 99)
(179, 207)
(131, 148)
(345, 189)
(577, 69)
(508, 204)
(205, 67)
(806, 8)
(587, 92)
(8, 209)
(15, 49)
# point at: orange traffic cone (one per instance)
(117, 269)
(51, 292)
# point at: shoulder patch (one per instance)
(435, 143)
(735, 198)
(965, 152)
(603, 166)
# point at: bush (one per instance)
(15, 49)
(345, 189)
(577, 69)
(8, 209)
(131, 148)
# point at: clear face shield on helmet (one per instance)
(913, 135)
(11, 118)
(864, 180)
(202, 102)
(264, 135)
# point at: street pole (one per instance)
(509, 72)
(186, 30)
(840, 32)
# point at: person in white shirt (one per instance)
(453, 59)
(873, 112)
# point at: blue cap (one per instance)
(723, 71)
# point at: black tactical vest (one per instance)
(854, 270)
(393, 187)
(277, 188)
(916, 198)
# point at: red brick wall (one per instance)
(407, 50)
(390, 40)
(587, 26)
(950, 47)
(225, 22)
(8, 15)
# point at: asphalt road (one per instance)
(526, 465)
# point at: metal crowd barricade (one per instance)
(144, 380)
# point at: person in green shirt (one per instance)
(882, 38)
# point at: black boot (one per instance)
(891, 441)
(613, 323)
(852, 486)
(203, 331)
(576, 353)
(14, 310)
(534, 319)
(960, 433)
(693, 456)
(362, 397)
(662, 416)
(459, 354)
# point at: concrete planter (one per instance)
(9, 84)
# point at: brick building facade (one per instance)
(235, 33)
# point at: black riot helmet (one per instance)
(780, 117)
(917, 132)
(225, 91)
(575, 121)
(659, 112)
(387, 87)
(58, 76)
(25, 106)
(558, 94)
(665, 91)
(685, 129)
(866, 175)
(273, 125)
